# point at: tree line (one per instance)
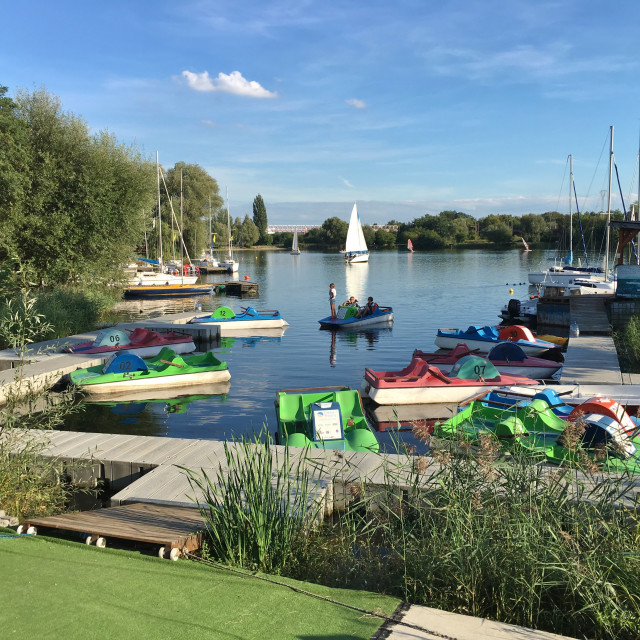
(76, 205)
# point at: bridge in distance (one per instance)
(284, 228)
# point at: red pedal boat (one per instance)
(142, 342)
(422, 383)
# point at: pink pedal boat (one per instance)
(142, 342)
(506, 357)
(423, 383)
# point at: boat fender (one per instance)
(175, 272)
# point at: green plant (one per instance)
(257, 505)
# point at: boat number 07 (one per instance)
(479, 369)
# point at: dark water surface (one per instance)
(426, 290)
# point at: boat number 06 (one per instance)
(115, 338)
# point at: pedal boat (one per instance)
(422, 383)
(608, 436)
(249, 320)
(483, 339)
(142, 342)
(126, 372)
(324, 418)
(346, 318)
(507, 358)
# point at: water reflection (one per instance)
(356, 281)
(355, 339)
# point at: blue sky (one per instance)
(407, 107)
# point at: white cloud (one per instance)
(356, 104)
(233, 83)
(209, 123)
(347, 183)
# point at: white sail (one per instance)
(356, 247)
(294, 245)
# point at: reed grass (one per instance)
(510, 539)
(627, 341)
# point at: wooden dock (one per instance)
(175, 530)
(591, 359)
(590, 312)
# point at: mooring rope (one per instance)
(374, 614)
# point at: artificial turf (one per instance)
(60, 589)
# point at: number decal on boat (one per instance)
(479, 369)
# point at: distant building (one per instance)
(284, 228)
(391, 228)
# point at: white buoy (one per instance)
(101, 542)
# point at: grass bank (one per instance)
(60, 589)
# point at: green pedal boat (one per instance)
(533, 428)
(125, 372)
(324, 418)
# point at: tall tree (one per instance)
(260, 219)
(197, 187)
(83, 212)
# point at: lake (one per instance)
(453, 288)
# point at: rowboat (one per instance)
(323, 418)
(128, 372)
(142, 342)
(422, 383)
(507, 357)
(346, 318)
(483, 339)
(248, 320)
(599, 428)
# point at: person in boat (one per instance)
(332, 299)
(351, 302)
(368, 308)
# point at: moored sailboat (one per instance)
(356, 246)
(229, 263)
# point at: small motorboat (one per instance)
(126, 371)
(346, 318)
(422, 383)
(608, 435)
(142, 342)
(483, 339)
(324, 418)
(249, 320)
(507, 357)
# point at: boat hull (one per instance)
(425, 395)
(360, 257)
(484, 346)
(233, 327)
(141, 384)
(385, 318)
(143, 291)
(146, 352)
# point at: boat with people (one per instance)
(599, 429)
(126, 371)
(249, 319)
(143, 342)
(506, 357)
(353, 317)
(324, 418)
(355, 249)
(423, 383)
(485, 338)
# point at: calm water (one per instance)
(426, 291)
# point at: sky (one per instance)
(407, 107)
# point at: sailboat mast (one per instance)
(159, 214)
(571, 207)
(606, 255)
(210, 231)
(181, 227)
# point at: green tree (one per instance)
(369, 235)
(260, 219)
(498, 232)
(248, 233)
(335, 231)
(198, 188)
(385, 238)
(83, 209)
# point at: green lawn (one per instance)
(59, 589)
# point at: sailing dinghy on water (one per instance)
(295, 251)
(526, 246)
(409, 246)
(356, 247)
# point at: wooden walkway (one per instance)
(591, 360)
(169, 527)
(590, 312)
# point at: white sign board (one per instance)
(327, 421)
